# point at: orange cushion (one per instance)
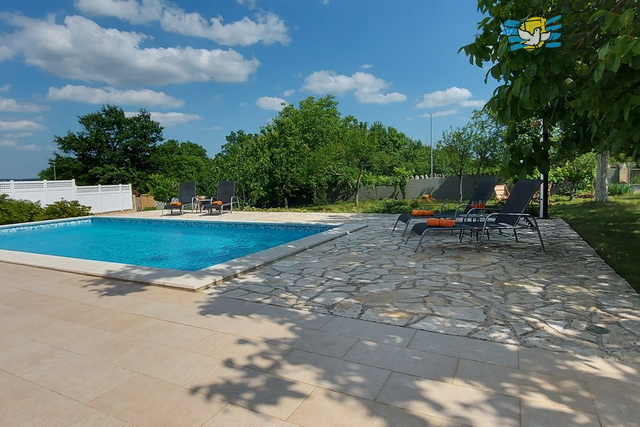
(217, 202)
(440, 222)
(417, 212)
(176, 204)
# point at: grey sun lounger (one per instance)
(186, 196)
(481, 194)
(510, 217)
(226, 197)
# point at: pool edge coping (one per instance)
(178, 279)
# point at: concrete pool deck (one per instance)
(356, 331)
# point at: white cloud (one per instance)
(288, 92)
(110, 95)
(366, 66)
(28, 147)
(19, 135)
(5, 88)
(169, 119)
(80, 49)
(267, 28)
(445, 113)
(251, 4)
(442, 98)
(271, 103)
(13, 106)
(13, 144)
(20, 126)
(367, 87)
(474, 104)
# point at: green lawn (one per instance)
(612, 229)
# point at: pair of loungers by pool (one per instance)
(225, 199)
(480, 222)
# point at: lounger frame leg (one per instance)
(420, 241)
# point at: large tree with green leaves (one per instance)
(588, 86)
(111, 148)
(456, 151)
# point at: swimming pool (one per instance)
(169, 244)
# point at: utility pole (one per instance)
(431, 132)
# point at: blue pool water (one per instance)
(177, 245)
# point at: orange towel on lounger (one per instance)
(176, 204)
(440, 222)
(217, 202)
(417, 212)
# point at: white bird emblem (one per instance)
(535, 38)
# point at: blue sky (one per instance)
(207, 68)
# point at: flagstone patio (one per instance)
(359, 330)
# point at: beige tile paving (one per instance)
(617, 405)
(483, 351)
(19, 354)
(240, 351)
(166, 363)
(527, 385)
(78, 377)
(586, 367)
(310, 340)
(385, 334)
(167, 333)
(54, 410)
(232, 415)
(335, 374)
(329, 408)
(261, 392)
(14, 389)
(537, 414)
(85, 351)
(456, 403)
(407, 361)
(149, 402)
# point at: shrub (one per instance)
(63, 209)
(620, 189)
(17, 211)
(162, 188)
(395, 206)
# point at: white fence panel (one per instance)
(45, 192)
(101, 198)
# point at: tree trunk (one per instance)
(602, 184)
(358, 181)
(460, 178)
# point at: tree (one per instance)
(244, 159)
(184, 162)
(488, 145)
(357, 149)
(457, 150)
(577, 171)
(588, 85)
(110, 149)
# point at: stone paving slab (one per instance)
(507, 292)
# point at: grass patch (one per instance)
(612, 229)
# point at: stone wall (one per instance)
(439, 188)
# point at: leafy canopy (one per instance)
(589, 86)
